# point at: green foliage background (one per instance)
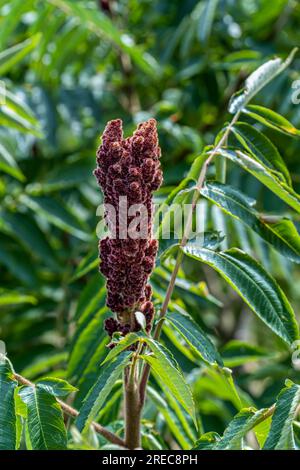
(68, 68)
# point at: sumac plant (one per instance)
(128, 390)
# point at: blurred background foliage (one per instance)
(70, 66)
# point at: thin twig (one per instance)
(70, 411)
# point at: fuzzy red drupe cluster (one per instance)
(128, 167)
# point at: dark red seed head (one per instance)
(128, 167)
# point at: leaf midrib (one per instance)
(39, 416)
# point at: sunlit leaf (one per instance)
(164, 365)
(8, 426)
(281, 435)
(257, 80)
(56, 387)
(271, 119)
(197, 339)
(8, 297)
(265, 176)
(258, 289)
(58, 214)
(236, 431)
(281, 233)
(261, 148)
(98, 394)
(101, 25)
(44, 418)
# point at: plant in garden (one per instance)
(130, 168)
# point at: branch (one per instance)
(132, 410)
(185, 238)
(74, 413)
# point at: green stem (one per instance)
(132, 407)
